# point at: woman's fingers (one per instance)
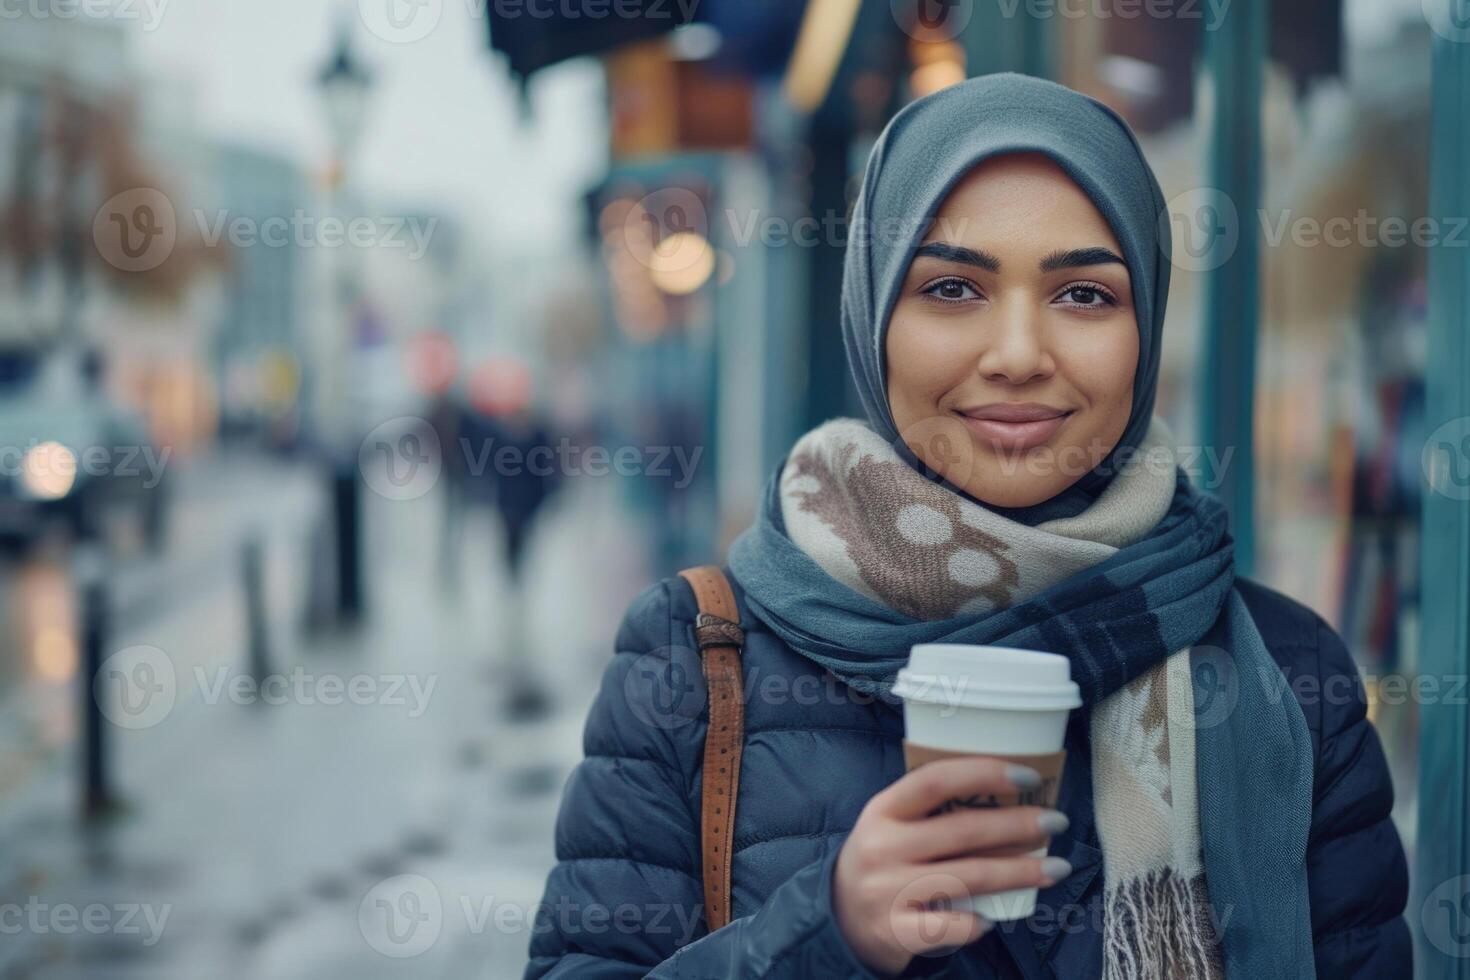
(965, 831)
(909, 858)
(965, 877)
(933, 784)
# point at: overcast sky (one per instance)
(444, 128)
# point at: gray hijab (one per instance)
(924, 151)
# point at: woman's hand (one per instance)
(898, 860)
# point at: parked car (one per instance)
(71, 456)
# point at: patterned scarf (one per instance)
(857, 556)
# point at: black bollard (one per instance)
(321, 589)
(347, 512)
(257, 626)
(97, 796)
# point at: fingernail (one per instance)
(1023, 777)
(1054, 869)
(1053, 821)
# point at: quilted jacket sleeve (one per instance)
(1357, 873)
(625, 897)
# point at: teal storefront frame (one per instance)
(1234, 61)
(1440, 908)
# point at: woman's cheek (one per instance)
(942, 349)
(1104, 365)
(923, 361)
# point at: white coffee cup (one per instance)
(965, 699)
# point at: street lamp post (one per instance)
(344, 84)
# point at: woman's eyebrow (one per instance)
(1065, 259)
(1071, 258)
(959, 253)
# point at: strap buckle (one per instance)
(716, 631)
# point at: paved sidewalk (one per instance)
(270, 840)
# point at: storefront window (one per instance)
(1341, 358)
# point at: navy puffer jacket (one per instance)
(625, 899)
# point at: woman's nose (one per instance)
(1014, 350)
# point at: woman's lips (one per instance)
(1015, 436)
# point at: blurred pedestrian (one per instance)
(516, 450)
(512, 451)
(447, 418)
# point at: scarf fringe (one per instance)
(1158, 927)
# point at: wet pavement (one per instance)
(367, 808)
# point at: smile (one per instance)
(1014, 427)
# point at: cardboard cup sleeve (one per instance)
(1049, 765)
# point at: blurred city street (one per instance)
(361, 360)
(253, 832)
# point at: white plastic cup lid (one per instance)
(972, 676)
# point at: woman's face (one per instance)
(1013, 344)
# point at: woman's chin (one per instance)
(1011, 497)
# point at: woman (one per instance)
(1003, 303)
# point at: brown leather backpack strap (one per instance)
(718, 633)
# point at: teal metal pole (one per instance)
(1441, 903)
(828, 387)
(1235, 53)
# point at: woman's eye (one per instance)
(951, 290)
(1086, 295)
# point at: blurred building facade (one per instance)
(262, 339)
